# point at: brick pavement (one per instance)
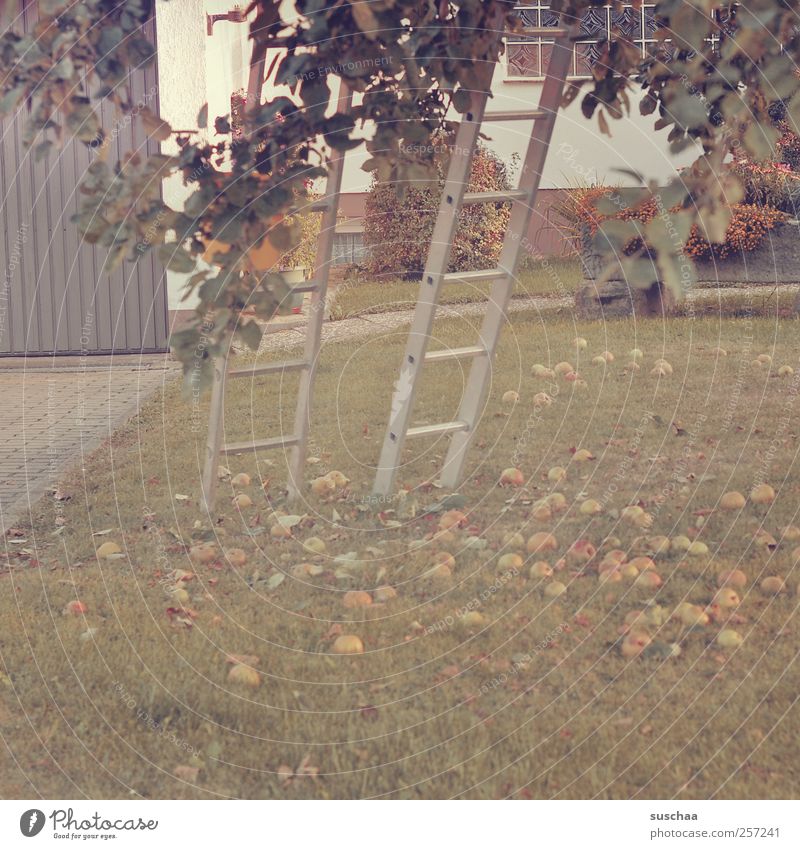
(52, 413)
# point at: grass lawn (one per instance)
(559, 278)
(531, 698)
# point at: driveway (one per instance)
(53, 411)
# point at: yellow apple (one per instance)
(108, 549)
(556, 474)
(245, 675)
(634, 643)
(541, 569)
(510, 562)
(582, 455)
(356, 598)
(512, 477)
(347, 644)
(510, 397)
(727, 598)
(242, 501)
(732, 578)
(732, 501)
(554, 589)
(785, 371)
(242, 479)
(541, 541)
(590, 507)
(729, 639)
(773, 585)
(763, 493)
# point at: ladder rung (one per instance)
(494, 197)
(268, 368)
(456, 353)
(474, 276)
(260, 444)
(444, 427)
(515, 115)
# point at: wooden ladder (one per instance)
(454, 197)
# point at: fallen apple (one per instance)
(636, 354)
(554, 589)
(732, 578)
(356, 598)
(385, 593)
(727, 598)
(242, 479)
(581, 552)
(541, 569)
(542, 399)
(236, 556)
(473, 620)
(732, 501)
(580, 343)
(763, 493)
(242, 501)
(512, 477)
(556, 474)
(510, 562)
(607, 356)
(452, 519)
(108, 549)
(510, 398)
(203, 553)
(514, 539)
(245, 675)
(582, 455)
(75, 608)
(634, 643)
(598, 361)
(649, 580)
(773, 585)
(590, 507)
(691, 615)
(785, 371)
(347, 644)
(563, 368)
(541, 541)
(697, 549)
(729, 639)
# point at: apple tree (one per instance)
(713, 73)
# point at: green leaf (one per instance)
(251, 334)
(154, 126)
(175, 258)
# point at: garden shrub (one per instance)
(398, 230)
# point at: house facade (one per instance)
(579, 154)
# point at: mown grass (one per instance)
(537, 702)
(365, 297)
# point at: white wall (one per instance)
(181, 32)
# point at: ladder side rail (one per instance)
(216, 429)
(477, 386)
(322, 265)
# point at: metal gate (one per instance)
(56, 296)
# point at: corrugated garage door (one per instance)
(55, 295)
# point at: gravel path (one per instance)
(288, 336)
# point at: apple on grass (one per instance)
(512, 477)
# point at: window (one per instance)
(348, 248)
(528, 57)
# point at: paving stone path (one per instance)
(51, 416)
